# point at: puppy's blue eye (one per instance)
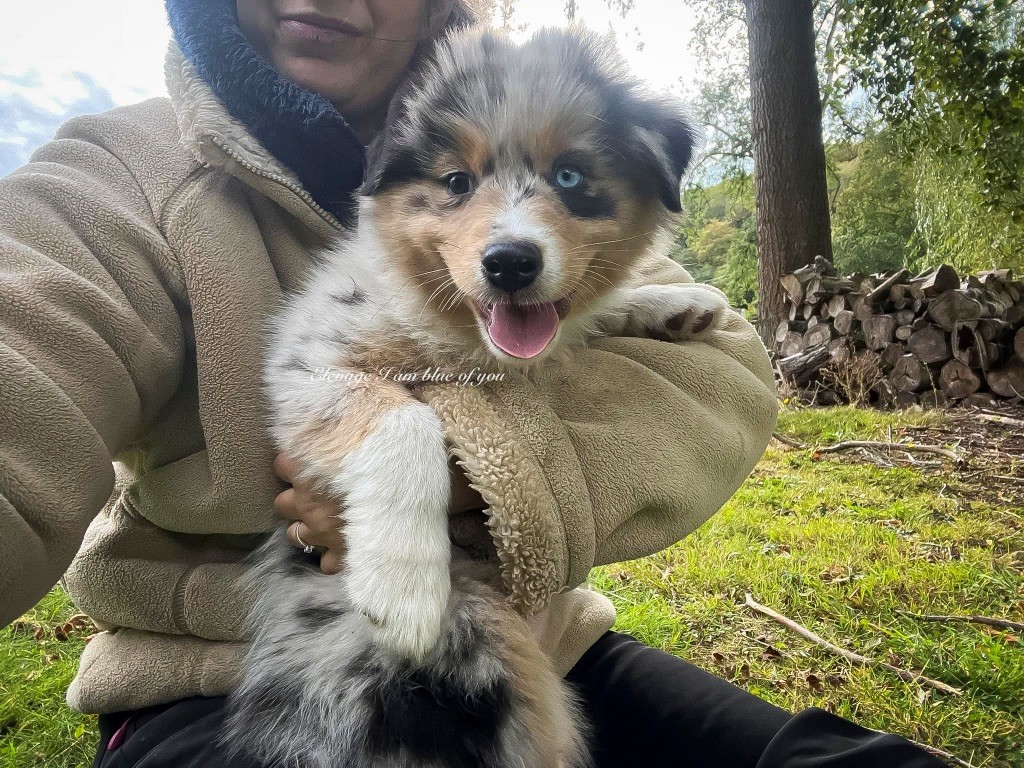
(459, 183)
(568, 176)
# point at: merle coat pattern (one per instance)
(507, 208)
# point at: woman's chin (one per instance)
(336, 81)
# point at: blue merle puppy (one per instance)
(509, 206)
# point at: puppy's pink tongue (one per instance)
(522, 332)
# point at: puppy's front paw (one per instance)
(406, 612)
(677, 312)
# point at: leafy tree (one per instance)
(709, 250)
(723, 83)
(874, 217)
(949, 76)
(737, 277)
(952, 73)
(955, 221)
(718, 238)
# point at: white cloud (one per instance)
(118, 43)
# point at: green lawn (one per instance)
(835, 543)
(36, 726)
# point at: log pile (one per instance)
(934, 338)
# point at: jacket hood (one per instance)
(299, 128)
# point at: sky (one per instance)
(59, 58)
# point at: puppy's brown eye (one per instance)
(459, 183)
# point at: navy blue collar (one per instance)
(300, 128)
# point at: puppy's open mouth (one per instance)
(523, 331)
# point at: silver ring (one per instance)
(306, 548)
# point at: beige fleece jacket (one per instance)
(140, 252)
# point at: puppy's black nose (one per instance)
(511, 266)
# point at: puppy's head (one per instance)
(517, 185)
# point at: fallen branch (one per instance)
(788, 441)
(854, 658)
(877, 445)
(995, 418)
(970, 619)
(948, 756)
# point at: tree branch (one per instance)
(853, 658)
(873, 444)
(970, 619)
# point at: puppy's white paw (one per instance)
(676, 312)
(407, 606)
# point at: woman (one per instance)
(142, 250)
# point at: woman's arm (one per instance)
(616, 454)
(91, 347)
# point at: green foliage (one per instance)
(737, 277)
(952, 73)
(719, 240)
(957, 225)
(874, 217)
(710, 248)
(924, 118)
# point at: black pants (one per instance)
(648, 709)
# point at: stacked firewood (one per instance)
(934, 338)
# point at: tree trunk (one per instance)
(789, 159)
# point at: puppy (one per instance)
(510, 209)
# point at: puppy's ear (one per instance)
(387, 163)
(663, 142)
(389, 159)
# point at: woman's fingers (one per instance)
(316, 519)
(285, 468)
(333, 551)
(330, 563)
(286, 505)
(298, 534)
(321, 522)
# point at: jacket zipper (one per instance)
(286, 183)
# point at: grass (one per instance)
(840, 546)
(36, 726)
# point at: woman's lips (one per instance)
(318, 30)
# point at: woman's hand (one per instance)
(318, 520)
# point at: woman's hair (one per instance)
(460, 16)
(443, 16)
